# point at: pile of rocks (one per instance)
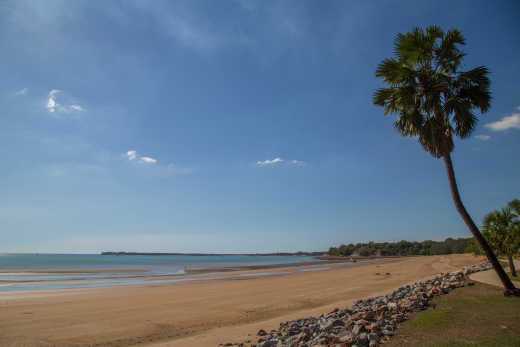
(369, 322)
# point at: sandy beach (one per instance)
(199, 313)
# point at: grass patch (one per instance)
(500, 341)
(431, 318)
(472, 316)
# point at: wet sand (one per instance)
(201, 313)
(123, 277)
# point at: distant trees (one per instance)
(403, 248)
(501, 229)
(473, 247)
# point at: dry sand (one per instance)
(203, 313)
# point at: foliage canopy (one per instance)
(431, 96)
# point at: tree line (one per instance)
(403, 248)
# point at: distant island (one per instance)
(313, 254)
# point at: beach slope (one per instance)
(201, 313)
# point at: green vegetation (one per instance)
(471, 316)
(431, 318)
(434, 101)
(502, 231)
(403, 248)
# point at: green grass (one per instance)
(504, 340)
(431, 318)
(472, 316)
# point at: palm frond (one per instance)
(515, 206)
(463, 118)
(389, 70)
(409, 124)
(435, 137)
(448, 54)
(474, 86)
(430, 96)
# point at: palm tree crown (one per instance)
(432, 98)
(499, 230)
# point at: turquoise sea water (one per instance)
(154, 268)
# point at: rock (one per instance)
(362, 340)
(261, 332)
(391, 306)
(355, 316)
(369, 322)
(370, 315)
(338, 323)
(357, 329)
(388, 332)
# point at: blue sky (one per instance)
(229, 126)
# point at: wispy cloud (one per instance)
(132, 155)
(186, 25)
(269, 162)
(21, 92)
(77, 108)
(298, 162)
(53, 106)
(172, 168)
(508, 122)
(163, 170)
(482, 137)
(278, 160)
(148, 160)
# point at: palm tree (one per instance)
(434, 100)
(501, 230)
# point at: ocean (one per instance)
(63, 271)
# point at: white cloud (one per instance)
(148, 160)
(21, 92)
(53, 106)
(77, 108)
(51, 101)
(508, 122)
(269, 162)
(131, 155)
(482, 137)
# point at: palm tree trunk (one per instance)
(511, 265)
(508, 285)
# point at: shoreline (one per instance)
(207, 274)
(49, 271)
(201, 313)
(317, 260)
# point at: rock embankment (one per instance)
(369, 322)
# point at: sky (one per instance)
(235, 126)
